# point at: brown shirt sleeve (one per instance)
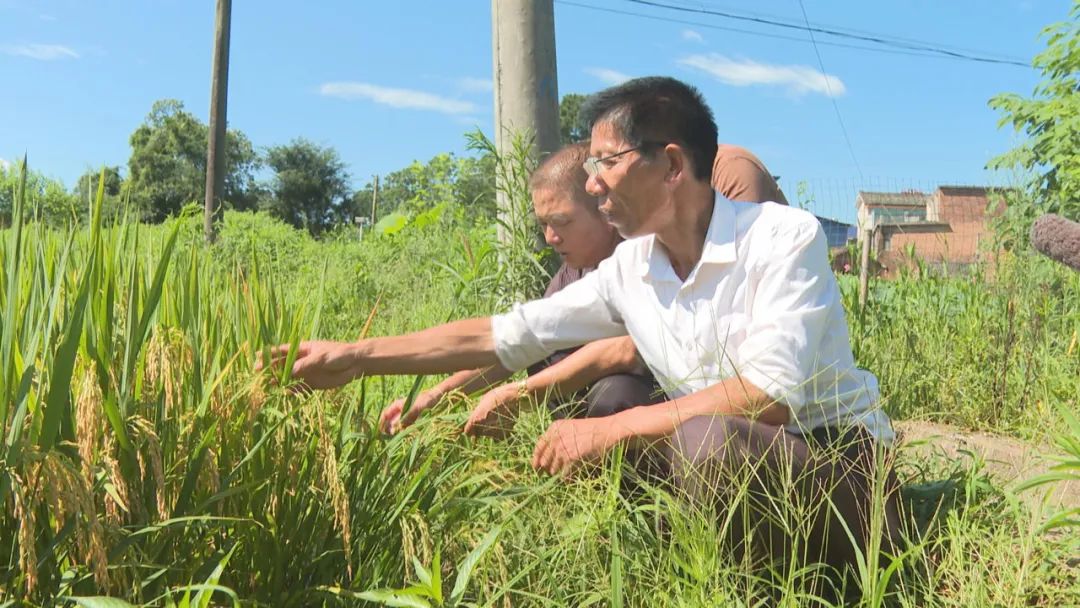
(741, 176)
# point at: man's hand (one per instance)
(319, 364)
(494, 416)
(392, 421)
(567, 444)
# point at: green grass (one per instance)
(993, 353)
(144, 460)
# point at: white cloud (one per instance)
(476, 85)
(4, 164)
(397, 98)
(692, 36)
(42, 52)
(610, 77)
(797, 79)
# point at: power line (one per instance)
(747, 32)
(953, 47)
(875, 39)
(710, 26)
(828, 90)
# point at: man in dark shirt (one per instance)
(575, 229)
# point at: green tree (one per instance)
(570, 128)
(86, 188)
(475, 186)
(167, 168)
(46, 198)
(1050, 119)
(465, 185)
(310, 188)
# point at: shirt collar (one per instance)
(719, 244)
(720, 238)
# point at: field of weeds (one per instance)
(145, 461)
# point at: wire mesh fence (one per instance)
(929, 224)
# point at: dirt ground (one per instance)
(1008, 460)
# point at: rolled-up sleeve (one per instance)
(579, 313)
(790, 313)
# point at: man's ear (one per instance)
(677, 163)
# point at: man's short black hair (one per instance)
(658, 108)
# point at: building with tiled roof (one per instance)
(947, 228)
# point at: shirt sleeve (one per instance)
(790, 314)
(580, 312)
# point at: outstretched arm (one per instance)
(452, 347)
(496, 411)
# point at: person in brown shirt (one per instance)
(598, 379)
(742, 177)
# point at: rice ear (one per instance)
(338, 496)
(25, 514)
(89, 419)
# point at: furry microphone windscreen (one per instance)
(1058, 239)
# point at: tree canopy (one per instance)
(168, 163)
(468, 182)
(571, 129)
(310, 187)
(1050, 119)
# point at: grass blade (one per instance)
(465, 569)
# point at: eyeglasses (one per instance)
(592, 164)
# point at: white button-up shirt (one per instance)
(761, 303)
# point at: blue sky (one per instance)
(386, 83)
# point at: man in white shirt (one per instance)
(732, 306)
(603, 377)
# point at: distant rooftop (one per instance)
(893, 199)
(964, 190)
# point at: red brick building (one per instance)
(946, 229)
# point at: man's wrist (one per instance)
(616, 431)
(358, 354)
(513, 395)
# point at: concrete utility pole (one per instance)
(524, 76)
(219, 93)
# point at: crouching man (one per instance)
(733, 308)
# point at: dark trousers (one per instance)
(783, 496)
(609, 395)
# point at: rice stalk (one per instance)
(89, 417)
(338, 496)
(143, 430)
(26, 505)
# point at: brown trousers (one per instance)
(782, 496)
(779, 495)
